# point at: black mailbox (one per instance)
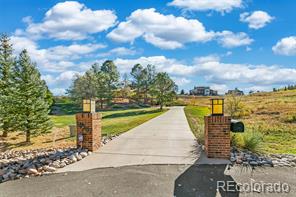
(237, 126)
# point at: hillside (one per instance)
(273, 114)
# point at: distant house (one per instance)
(236, 91)
(203, 91)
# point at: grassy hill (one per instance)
(273, 114)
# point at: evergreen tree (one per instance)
(7, 62)
(49, 97)
(31, 105)
(142, 80)
(111, 78)
(137, 74)
(83, 87)
(125, 89)
(148, 75)
(164, 89)
(182, 92)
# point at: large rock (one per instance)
(83, 154)
(32, 171)
(62, 164)
(72, 158)
(78, 157)
(23, 171)
(49, 169)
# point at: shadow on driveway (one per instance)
(201, 181)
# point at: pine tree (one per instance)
(137, 74)
(164, 89)
(30, 97)
(111, 75)
(7, 61)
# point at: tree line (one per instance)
(25, 99)
(103, 83)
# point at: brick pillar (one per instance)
(217, 136)
(89, 126)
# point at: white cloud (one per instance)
(71, 20)
(204, 5)
(208, 58)
(258, 88)
(54, 59)
(217, 72)
(221, 88)
(256, 19)
(181, 81)
(286, 46)
(248, 49)
(161, 63)
(71, 52)
(58, 91)
(119, 51)
(61, 79)
(229, 39)
(163, 31)
(58, 84)
(213, 71)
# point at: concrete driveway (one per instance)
(166, 139)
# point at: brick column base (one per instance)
(89, 127)
(217, 136)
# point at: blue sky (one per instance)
(223, 44)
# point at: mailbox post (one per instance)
(217, 131)
(88, 126)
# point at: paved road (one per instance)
(150, 180)
(166, 139)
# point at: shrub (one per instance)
(291, 119)
(144, 105)
(116, 106)
(252, 141)
(178, 102)
(236, 140)
(235, 107)
(134, 106)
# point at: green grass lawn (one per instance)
(113, 122)
(195, 117)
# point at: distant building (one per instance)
(235, 92)
(203, 91)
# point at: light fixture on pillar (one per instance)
(89, 105)
(217, 106)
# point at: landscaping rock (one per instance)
(32, 171)
(83, 154)
(2, 172)
(26, 163)
(72, 158)
(78, 157)
(62, 164)
(49, 169)
(247, 158)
